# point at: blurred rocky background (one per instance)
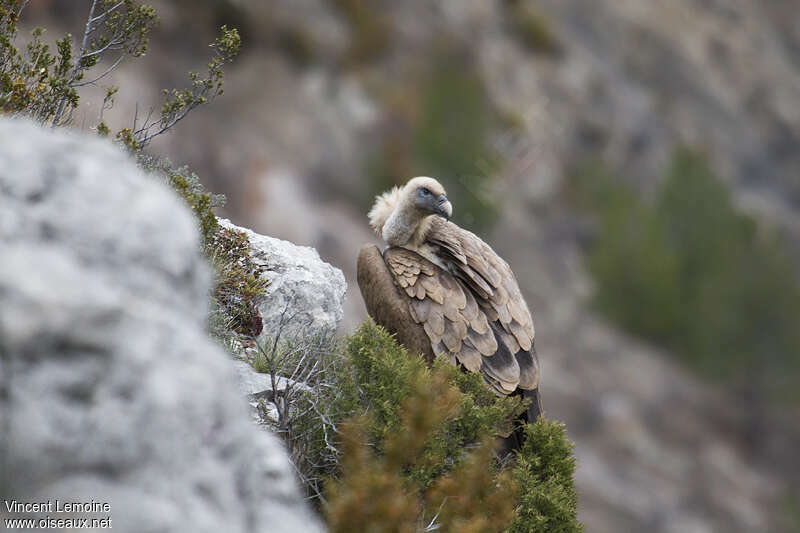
(637, 164)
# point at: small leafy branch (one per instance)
(113, 28)
(44, 85)
(179, 103)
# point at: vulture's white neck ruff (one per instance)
(398, 221)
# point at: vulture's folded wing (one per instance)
(387, 305)
(455, 319)
(495, 288)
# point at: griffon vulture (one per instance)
(442, 290)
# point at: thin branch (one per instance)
(113, 44)
(145, 122)
(108, 103)
(171, 122)
(101, 76)
(86, 32)
(433, 526)
(107, 12)
(22, 8)
(77, 68)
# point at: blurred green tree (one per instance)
(690, 271)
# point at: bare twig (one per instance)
(103, 75)
(432, 525)
(301, 376)
(22, 8)
(77, 68)
(107, 12)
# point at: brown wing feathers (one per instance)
(475, 263)
(480, 321)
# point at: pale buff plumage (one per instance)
(394, 201)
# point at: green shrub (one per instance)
(388, 376)
(238, 284)
(689, 271)
(188, 186)
(376, 493)
(544, 474)
(404, 447)
(45, 86)
(373, 377)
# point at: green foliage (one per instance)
(465, 497)
(405, 447)
(116, 25)
(544, 473)
(33, 80)
(187, 184)
(691, 272)
(371, 497)
(180, 103)
(387, 377)
(384, 373)
(43, 85)
(238, 285)
(440, 126)
(474, 496)
(636, 273)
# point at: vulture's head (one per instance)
(404, 214)
(428, 196)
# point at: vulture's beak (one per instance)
(444, 207)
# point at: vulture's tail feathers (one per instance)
(535, 407)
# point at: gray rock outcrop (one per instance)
(304, 294)
(109, 388)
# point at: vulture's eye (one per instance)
(424, 191)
